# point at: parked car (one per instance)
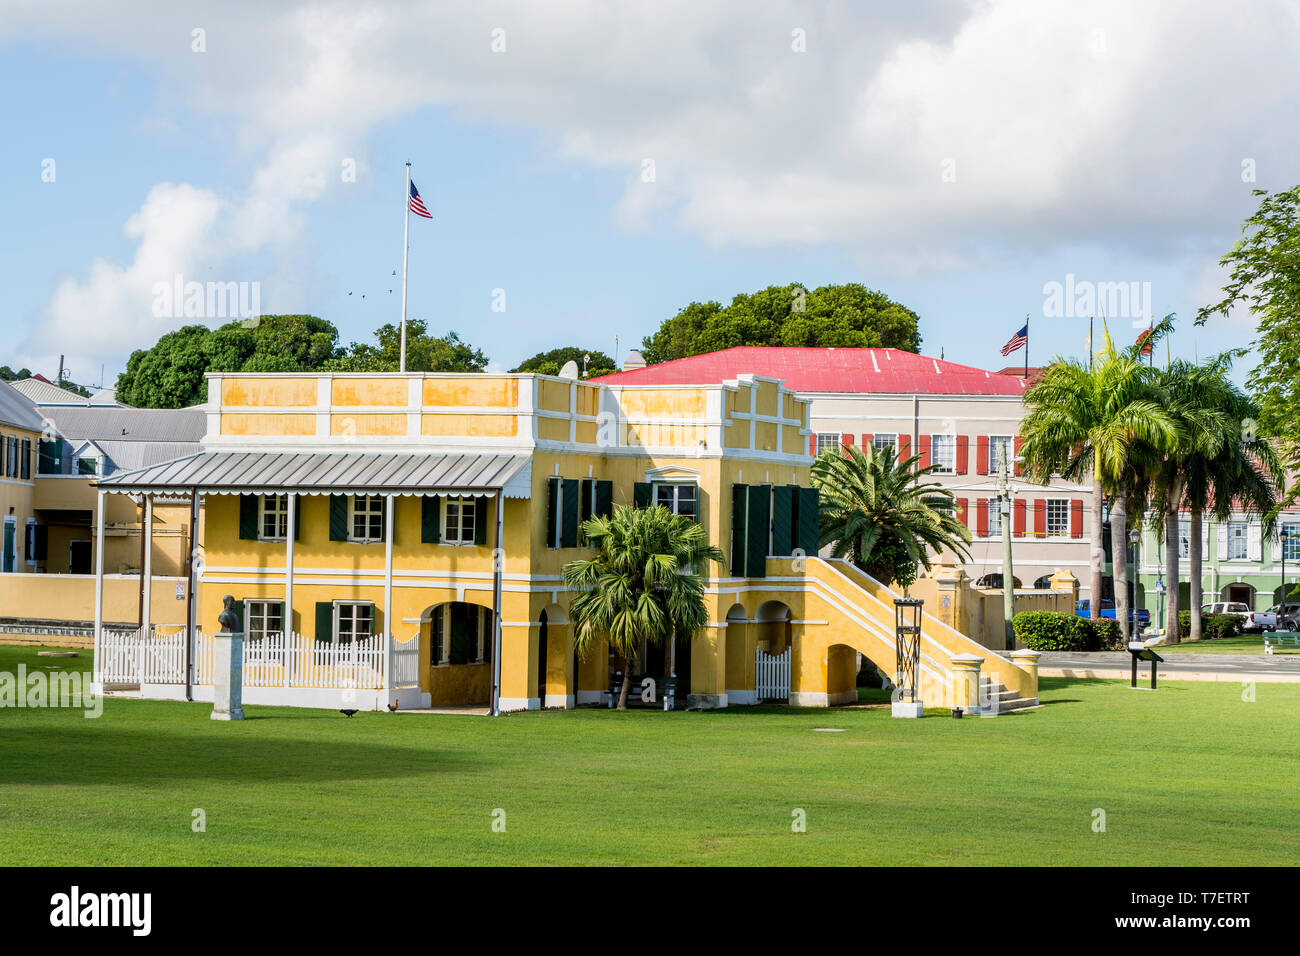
(1108, 610)
(1249, 622)
(1288, 617)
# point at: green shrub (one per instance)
(1185, 623)
(1057, 631)
(1106, 635)
(1213, 626)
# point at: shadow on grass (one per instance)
(90, 756)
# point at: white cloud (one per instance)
(1108, 123)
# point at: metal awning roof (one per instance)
(233, 472)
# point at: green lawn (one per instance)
(1190, 774)
(1241, 644)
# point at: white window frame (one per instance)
(259, 610)
(458, 537)
(995, 518)
(280, 514)
(1063, 528)
(338, 619)
(824, 443)
(1292, 547)
(995, 442)
(950, 444)
(675, 502)
(1244, 538)
(890, 440)
(377, 501)
(1185, 538)
(29, 542)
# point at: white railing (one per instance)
(406, 661)
(129, 657)
(772, 675)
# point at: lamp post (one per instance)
(1160, 598)
(1282, 601)
(1131, 629)
(907, 669)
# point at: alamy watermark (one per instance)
(59, 689)
(179, 299)
(1081, 299)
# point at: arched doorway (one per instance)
(740, 657)
(774, 651)
(1239, 594)
(459, 637)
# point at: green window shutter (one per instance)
(49, 457)
(325, 621)
(642, 494)
(42, 542)
(569, 518)
(807, 535)
(297, 517)
(85, 466)
(430, 519)
(739, 522)
(435, 636)
(585, 499)
(27, 457)
(758, 527)
(783, 520)
(248, 517)
(604, 498)
(461, 632)
(480, 520)
(552, 511)
(338, 518)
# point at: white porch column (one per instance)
(390, 506)
(146, 619)
(291, 531)
(99, 573)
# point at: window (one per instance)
(458, 521)
(461, 633)
(1184, 537)
(27, 459)
(1238, 549)
(1292, 549)
(367, 518)
(943, 453)
(827, 440)
(273, 521)
(679, 499)
(881, 442)
(87, 466)
(1001, 448)
(1058, 517)
(995, 517)
(262, 619)
(353, 621)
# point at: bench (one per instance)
(665, 689)
(1277, 640)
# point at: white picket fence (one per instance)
(406, 661)
(772, 675)
(129, 657)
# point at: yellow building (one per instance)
(402, 537)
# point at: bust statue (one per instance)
(228, 619)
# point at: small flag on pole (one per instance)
(417, 204)
(1144, 340)
(1017, 341)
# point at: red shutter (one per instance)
(925, 451)
(963, 450)
(904, 447)
(1019, 441)
(866, 443)
(1040, 518)
(1018, 520)
(846, 442)
(982, 517)
(961, 510)
(1076, 518)
(982, 455)
(812, 445)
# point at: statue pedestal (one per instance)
(228, 676)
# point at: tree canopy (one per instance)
(550, 363)
(170, 374)
(839, 316)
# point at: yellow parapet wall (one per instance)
(70, 598)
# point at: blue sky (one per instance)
(535, 181)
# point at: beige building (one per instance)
(958, 417)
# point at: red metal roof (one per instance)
(821, 370)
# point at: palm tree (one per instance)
(642, 584)
(875, 509)
(1084, 423)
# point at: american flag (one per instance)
(1017, 341)
(417, 204)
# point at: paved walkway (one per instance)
(1209, 667)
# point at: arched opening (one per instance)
(1239, 593)
(740, 657)
(459, 637)
(774, 651)
(994, 580)
(1043, 583)
(841, 675)
(775, 631)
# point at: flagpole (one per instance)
(1026, 346)
(406, 253)
(1090, 350)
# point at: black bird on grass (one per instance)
(347, 711)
